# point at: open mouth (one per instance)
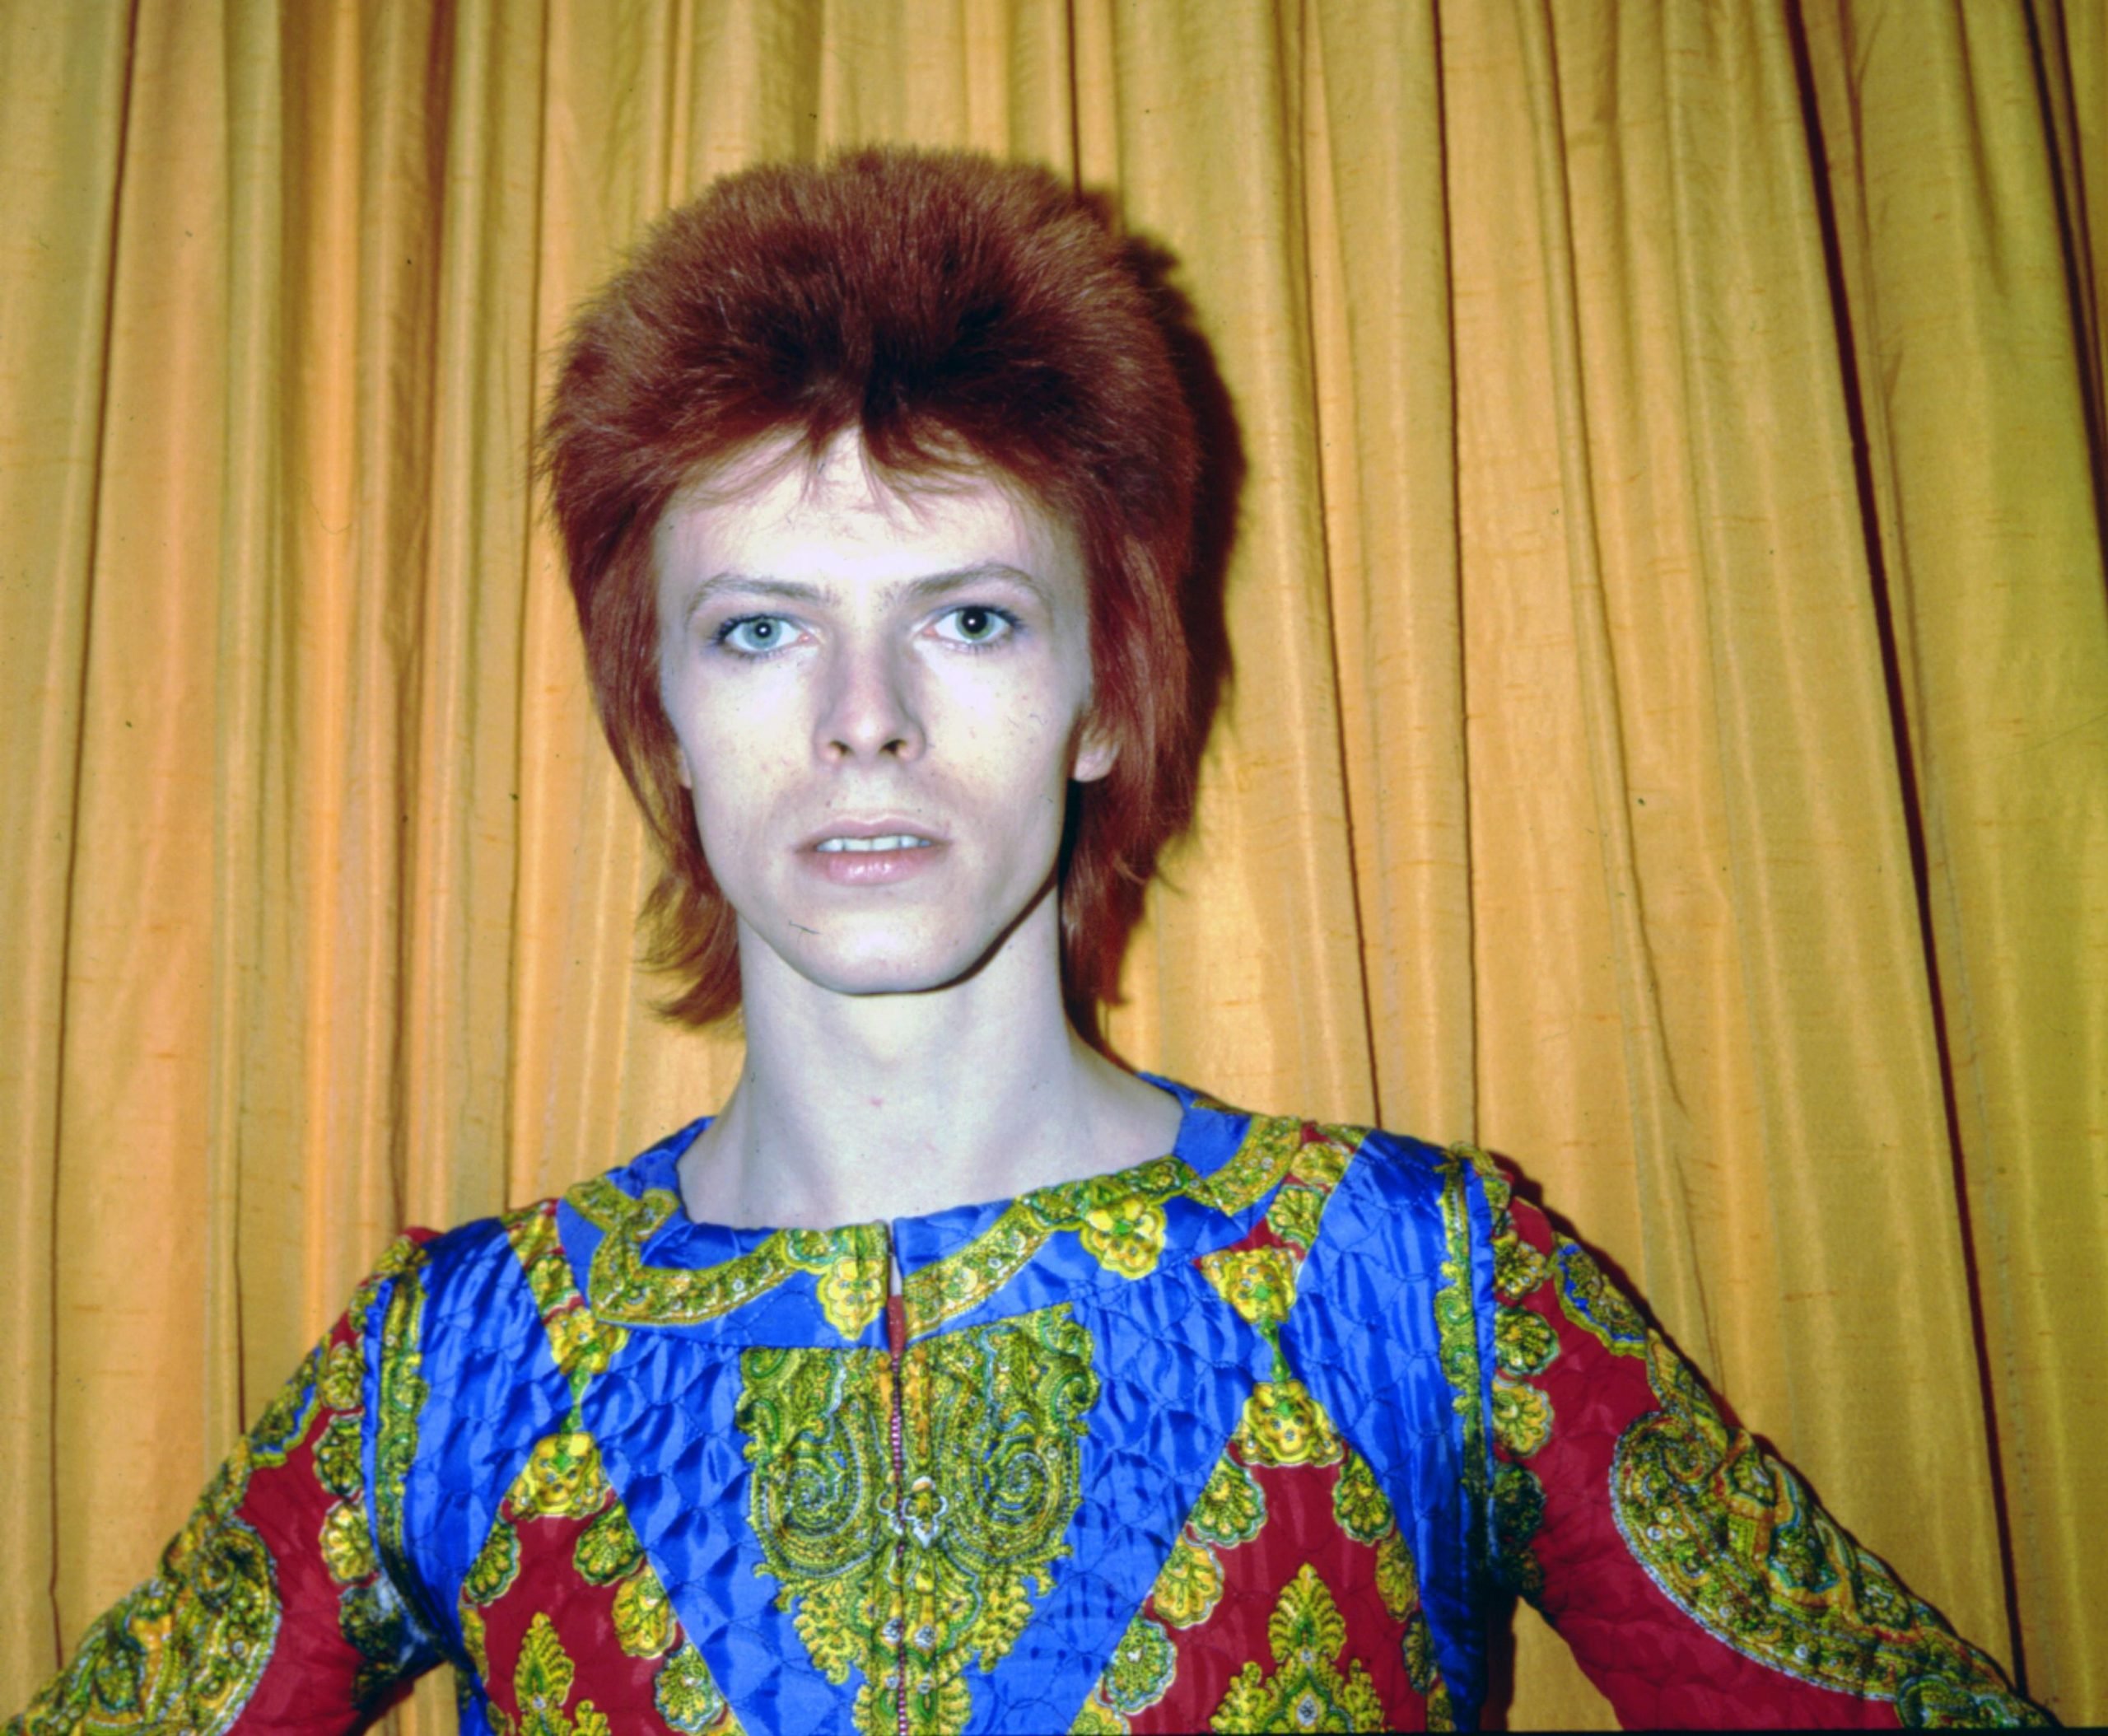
(859, 846)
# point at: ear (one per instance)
(681, 769)
(1096, 753)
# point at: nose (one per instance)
(867, 710)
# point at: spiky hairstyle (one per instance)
(953, 312)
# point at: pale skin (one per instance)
(880, 700)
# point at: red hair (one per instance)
(953, 311)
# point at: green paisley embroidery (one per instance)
(608, 1548)
(497, 1565)
(1258, 1282)
(1524, 1342)
(562, 1478)
(1098, 1719)
(1517, 1267)
(1232, 1507)
(643, 1617)
(1307, 1690)
(1590, 1300)
(1734, 1538)
(992, 1418)
(581, 1343)
(849, 1265)
(1519, 1510)
(1521, 1416)
(1417, 1649)
(337, 1456)
(1270, 1145)
(347, 1546)
(343, 1373)
(1283, 1425)
(1294, 1215)
(1362, 1509)
(541, 1686)
(185, 1649)
(688, 1698)
(1118, 1220)
(1139, 1672)
(1189, 1586)
(286, 1419)
(403, 1394)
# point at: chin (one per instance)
(889, 963)
(867, 977)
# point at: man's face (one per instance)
(879, 702)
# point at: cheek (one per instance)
(736, 760)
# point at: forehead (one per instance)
(778, 515)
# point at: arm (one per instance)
(1694, 1575)
(271, 1610)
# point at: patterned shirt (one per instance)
(1257, 1435)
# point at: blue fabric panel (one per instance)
(664, 1414)
(1175, 1365)
(493, 1391)
(1363, 1338)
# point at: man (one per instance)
(954, 1376)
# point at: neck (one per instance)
(856, 1107)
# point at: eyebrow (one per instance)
(920, 590)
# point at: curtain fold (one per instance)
(1666, 734)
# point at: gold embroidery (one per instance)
(1190, 1586)
(186, 1650)
(644, 1620)
(1590, 1301)
(608, 1549)
(1258, 1282)
(849, 1264)
(1736, 1541)
(1521, 1416)
(1118, 1219)
(561, 1478)
(1232, 1506)
(1307, 1690)
(991, 1421)
(1361, 1507)
(1139, 1672)
(689, 1699)
(497, 1566)
(582, 1344)
(1283, 1424)
(347, 1547)
(541, 1686)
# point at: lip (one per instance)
(867, 867)
(878, 825)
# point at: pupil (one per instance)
(764, 631)
(974, 622)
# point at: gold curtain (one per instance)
(1668, 740)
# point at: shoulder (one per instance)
(476, 1272)
(1359, 1182)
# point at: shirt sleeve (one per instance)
(1694, 1575)
(272, 1610)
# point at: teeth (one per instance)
(896, 841)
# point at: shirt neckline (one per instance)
(650, 1264)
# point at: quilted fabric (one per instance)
(1254, 1436)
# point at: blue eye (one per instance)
(755, 635)
(974, 625)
